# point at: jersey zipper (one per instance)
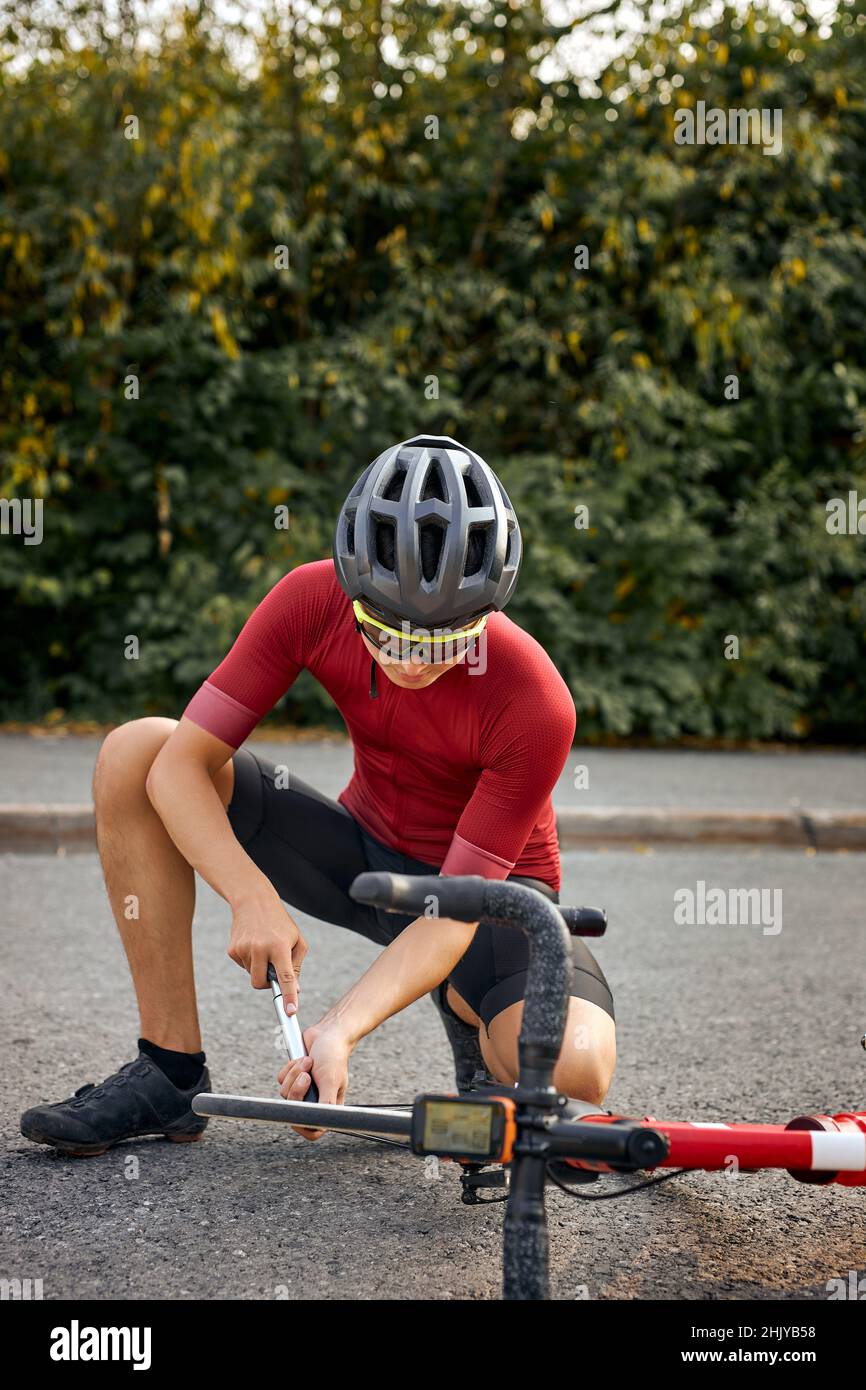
(387, 730)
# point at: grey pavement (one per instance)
(58, 769)
(719, 1023)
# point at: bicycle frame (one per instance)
(813, 1148)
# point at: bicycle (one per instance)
(521, 1138)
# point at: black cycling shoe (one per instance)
(137, 1100)
(469, 1065)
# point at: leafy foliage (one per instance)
(433, 284)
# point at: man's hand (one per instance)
(263, 931)
(328, 1051)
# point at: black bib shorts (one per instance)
(311, 849)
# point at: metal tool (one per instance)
(291, 1030)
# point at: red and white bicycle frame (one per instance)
(813, 1148)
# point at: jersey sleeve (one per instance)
(271, 650)
(523, 754)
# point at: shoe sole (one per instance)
(95, 1150)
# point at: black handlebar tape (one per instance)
(427, 895)
(585, 921)
(459, 897)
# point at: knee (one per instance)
(588, 1079)
(587, 1055)
(125, 759)
(585, 1069)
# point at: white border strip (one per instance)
(845, 1152)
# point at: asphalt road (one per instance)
(714, 1023)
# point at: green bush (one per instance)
(453, 258)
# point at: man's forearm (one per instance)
(186, 801)
(414, 963)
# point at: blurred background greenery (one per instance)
(452, 258)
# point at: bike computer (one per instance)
(477, 1129)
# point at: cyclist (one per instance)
(456, 752)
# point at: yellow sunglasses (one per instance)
(420, 636)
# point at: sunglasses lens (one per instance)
(376, 635)
(423, 650)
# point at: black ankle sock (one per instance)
(183, 1069)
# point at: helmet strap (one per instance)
(374, 694)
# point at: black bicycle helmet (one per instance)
(428, 534)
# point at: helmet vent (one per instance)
(434, 485)
(476, 547)
(350, 535)
(385, 548)
(473, 496)
(394, 490)
(430, 540)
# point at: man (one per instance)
(455, 759)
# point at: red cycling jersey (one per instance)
(457, 774)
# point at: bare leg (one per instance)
(586, 1060)
(150, 885)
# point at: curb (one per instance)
(46, 829)
(816, 830)
(69, 829)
